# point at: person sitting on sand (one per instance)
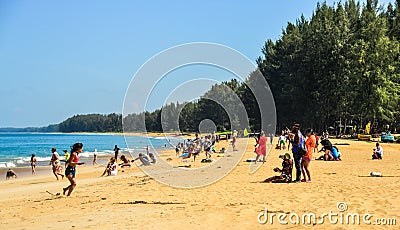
(193, 151)
(286, 171)
(111, 168)
(143, 158)
(125, 162)
(327, 148)
(378, 152)
(11, 174)
(55, 164)
(153, 158)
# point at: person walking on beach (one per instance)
(234, 138)
(95, 157)
(116, 152)
(33, 164)
(271, 140)
(261, 147)
(55, 163)
(70, 170)
(66, 155)
(297, 143)
(306, 159)
(281, 140)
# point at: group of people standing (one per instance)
(303, 147)
(302, 151)
(193, 147)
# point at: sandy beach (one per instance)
(132, 200)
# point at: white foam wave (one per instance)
(7, 165)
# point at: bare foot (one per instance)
(65, 190)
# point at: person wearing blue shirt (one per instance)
(297, 142)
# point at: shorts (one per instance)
(70, 170)
(282, 142)
(306, 159)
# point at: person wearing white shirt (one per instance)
(378, 152)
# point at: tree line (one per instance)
(339, 68)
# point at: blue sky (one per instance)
(60, 58)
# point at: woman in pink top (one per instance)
(261, 149)
(306, 159)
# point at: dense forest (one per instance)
(92, 123)
(339, 68)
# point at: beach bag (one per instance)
(301, 150)
(206, 160)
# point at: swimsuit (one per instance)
(72, 169)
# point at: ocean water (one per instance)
(16, 148)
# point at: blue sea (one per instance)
(16, 148)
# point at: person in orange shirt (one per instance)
(306, 159)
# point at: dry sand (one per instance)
(133, 200)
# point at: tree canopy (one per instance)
(340, 67)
